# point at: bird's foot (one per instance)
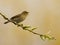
(20, 25)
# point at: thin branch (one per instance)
(43, 37)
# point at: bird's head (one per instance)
(25, 12)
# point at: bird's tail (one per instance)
(6, 22)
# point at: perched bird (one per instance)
(18, 18)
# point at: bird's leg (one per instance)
(20, 25)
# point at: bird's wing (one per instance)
(15, 16)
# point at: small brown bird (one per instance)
(18, 18)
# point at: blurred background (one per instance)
(44, 14)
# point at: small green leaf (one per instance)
(41, 36)
(44, 37)
(34, 28)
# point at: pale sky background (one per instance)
(44, 14)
